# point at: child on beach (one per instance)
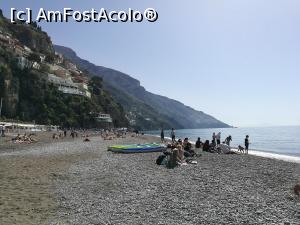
(247, 143)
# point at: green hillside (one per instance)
(29, 96)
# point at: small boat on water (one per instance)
(137, 148)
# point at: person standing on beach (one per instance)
(218, 137)
(247, 144)
(162, 135)
(214, 137)
(2, 131)
(173, 135)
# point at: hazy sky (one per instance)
(238, 60)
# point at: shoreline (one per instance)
(257, 152)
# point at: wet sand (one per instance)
(73, 182)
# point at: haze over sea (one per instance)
(284, 140)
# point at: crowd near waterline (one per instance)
(215, 145)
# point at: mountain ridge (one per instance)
(172, 109)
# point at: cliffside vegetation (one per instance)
(28, 96)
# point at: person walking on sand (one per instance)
(162, 135)
(65, 133)
(247, 144)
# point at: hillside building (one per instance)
(67, 86)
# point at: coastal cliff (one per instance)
(173, 113)
(38, 85)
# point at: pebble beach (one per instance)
(76, 182)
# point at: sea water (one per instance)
(283, 140)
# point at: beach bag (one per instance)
(160, 159)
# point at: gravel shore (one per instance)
(74, 182)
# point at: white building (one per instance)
(102, 117)
(27, 51)
(67, 86)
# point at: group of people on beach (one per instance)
(105, 134)
(26, 139)
(113, 134)
(182, 152)
(215, 146)
(178, 153)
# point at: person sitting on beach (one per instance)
(54, 136)
(26, 138)
(136, 132)
(198, 143)
(213, 144)
(187, 146)
(213, 147)
(32, 139)
(180, 148)
(206, 146)
(17, 138)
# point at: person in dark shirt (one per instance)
(228, 140)
(206, 146)
(198, 143)
(162, 135)
(173, 135)
(187, 146)
(247, 143)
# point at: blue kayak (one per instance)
(137, 148)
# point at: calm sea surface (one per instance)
(282, 140)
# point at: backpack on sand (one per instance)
(160, 159)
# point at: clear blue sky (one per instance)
(238, 60)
